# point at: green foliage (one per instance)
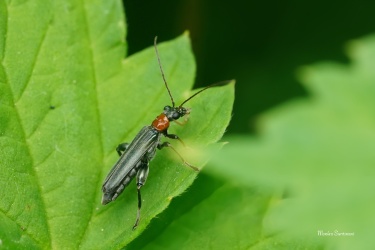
(67, 98)
(317, 152)
(215, 214)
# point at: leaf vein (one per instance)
(92, 60)
(20, 226)
(32, 170)
(32, 66)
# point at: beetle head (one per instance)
(174, 113)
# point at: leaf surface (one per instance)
(215, 214)
(67, 99)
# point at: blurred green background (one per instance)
(261, 44)
(318, 149)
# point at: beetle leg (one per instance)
(175, 137)
(121, 148)
(141, 180)
(167, 144)
(183, 122)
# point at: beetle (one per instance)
(135, 157)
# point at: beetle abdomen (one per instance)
(111, 196)
(128, 178)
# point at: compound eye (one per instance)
(176, 115)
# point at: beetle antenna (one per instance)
(161, 69)
(222, 83)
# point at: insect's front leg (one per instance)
(183, 122)
(141, 180)
(121, 148)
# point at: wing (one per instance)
(145, 141)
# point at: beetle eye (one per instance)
(167, 108)
(176, 115)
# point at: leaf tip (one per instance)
(186, 33)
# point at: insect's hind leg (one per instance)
(167, 144)
(121, 148)
(141, 180)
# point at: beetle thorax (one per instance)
(161, 122)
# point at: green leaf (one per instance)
(214, 214)
(317, 152)
(67, 99)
